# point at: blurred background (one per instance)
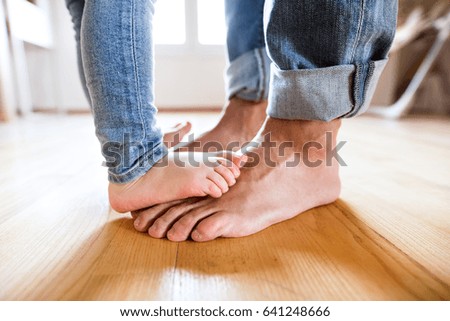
(189, 37)
(38, 66)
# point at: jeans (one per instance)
(116, 56)
(312, 60)
(327, 55)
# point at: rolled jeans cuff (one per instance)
(139, 168)
(247, 76)
(324, 93)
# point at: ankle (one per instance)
(246, 107)
(250, 113)
(302, 129)
(243, 102)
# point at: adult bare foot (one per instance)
(287, 174)
(177, 176)
(239, 123)
(174, 135)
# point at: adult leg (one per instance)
(117, 56)
(327, 57)
(247, 77)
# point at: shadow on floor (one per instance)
(327, 253)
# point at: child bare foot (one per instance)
(177, 176)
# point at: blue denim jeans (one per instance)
(116, 56)
(312, 60)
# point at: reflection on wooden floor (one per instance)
(387, 238)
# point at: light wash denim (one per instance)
(312, 60)
(117, 59)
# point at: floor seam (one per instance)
(390, 243)
(175, 270)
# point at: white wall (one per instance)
(189, 81)
(53, 72)
(181, 80)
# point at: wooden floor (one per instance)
(387, 238)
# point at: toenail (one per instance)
(196, 235)
(137, 222)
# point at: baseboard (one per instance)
(80, 111)
(190, 109)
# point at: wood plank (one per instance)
(324, 254)
(387, 238)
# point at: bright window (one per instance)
(173, 26)
(169, 25)
(211, 22)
